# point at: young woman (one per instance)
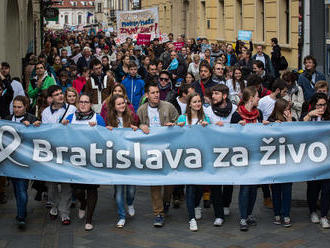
(229, 72)
(85, 116)
(57, 64)
(318, 112)
(71, 96)
(236, 86)
(189, 79)
(247, 112)
(119, 115)
(20, 106)
(194, 116)
(118, 89)
(122, 70)
(281, 192)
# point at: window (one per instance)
(203, 18)
(79, 19)
(74, 3)
(284, 16)
(99, 7)
(84, 3)
(260, 21)
(208, 24)
(66, 19)
(221, 18)
(239, 15)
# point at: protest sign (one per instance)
(143, 39)
(244, 35)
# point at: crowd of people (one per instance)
(86, 78)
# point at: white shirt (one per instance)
(153, 114)
(120, 119)
(261, 58)
(183, 106)
(19, 119)
(266, 105)
(49, 117)
(214, 118)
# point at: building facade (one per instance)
(19, 31)
(73, 13)
(220, 20)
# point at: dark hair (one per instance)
(221, 88)
(275, 40)
(184, 88)
(313, 101)
(206, 64)
(279, 108)
(279, 84)
(5, 64)
(23, 99)
(105, 57)
(259, 64)
(112, 118)
(254, 80)
(84, 94)
(200, 113)
(310, 57)
(94, 62)
(132, 64)
(192, 75)
(52, 89)
(247, 93)
(148, 85)
(40, 63)
(166, 73)
(151, 63)
(240, 82)
(290, 76)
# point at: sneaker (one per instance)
(325, 223)
(277, 220)
(81, 213)
(20, 223)
(243, 226)
(53, 213)
(315, 218)
(166, 207)
(158, 221)
(88, 227)
(131, 210)
(121, 223)
(218, 222)
(198, 213)
(268, 203)
(66, 221)
(48, 204)
(251, 221)
(193, 225)
(287, 222)
(176, 204)
(226, 211)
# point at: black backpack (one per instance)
(283, 65)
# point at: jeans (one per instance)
(265, 190)
(193, 197)
(313, 190)
(282, 193)
(62, 199)
(247, 198)
(130, 193)
(227, 194)
(217, 192)
(20, 190)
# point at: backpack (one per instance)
(283, 65)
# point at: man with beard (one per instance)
(205, 73)
(98, 86)
(308, 79)
(220, 112)
(218, 76)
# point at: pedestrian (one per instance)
(84, 115)
(120, 116)
(236, 86)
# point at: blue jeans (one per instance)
(246, 199)
(130, 193)
(20, 190)
(193, 197)
(282, 193)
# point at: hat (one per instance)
(106, 47)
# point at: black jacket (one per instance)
(5, 98)
(27, 117)
(210, 83)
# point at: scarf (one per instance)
(99, 81)
(84, 116)
(222, 112)
(174, 65)
(249, 117)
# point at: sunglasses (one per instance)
(163, 79)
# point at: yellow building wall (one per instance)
(220, 20)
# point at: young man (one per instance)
(308, 79)
(164, 84)
(267, 103)
(55, 113)
(259, 69)
(265, 59)
(179, 101)
(205, 73)
(98, 86)
(134, 85)
(218, 75)
(156, 113)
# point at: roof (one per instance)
(81, 4)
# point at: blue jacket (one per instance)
(134, 89)
(306, 84)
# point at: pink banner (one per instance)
(178, 45)
(143, 39)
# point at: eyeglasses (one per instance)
(163, 79)
(220, 69)
(321, 105)
(61, 93)
(84, 102)
(39, 68)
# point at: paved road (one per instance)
(139, 233)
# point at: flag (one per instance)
(89, 14)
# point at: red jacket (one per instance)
(79, 83)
